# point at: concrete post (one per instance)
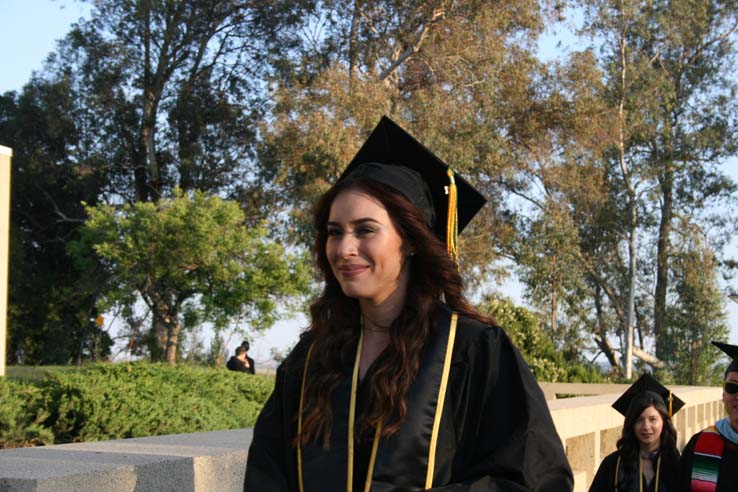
(5, 157)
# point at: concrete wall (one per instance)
(215, 461)
(5, 156)
(202, 462)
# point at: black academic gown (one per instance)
(604, 480)
(727, 472)
(236, 364)
(496, 432)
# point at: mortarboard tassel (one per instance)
(452, 223)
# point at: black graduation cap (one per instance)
(646, 384)
(732, 351)
(393, 157)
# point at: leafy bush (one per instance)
(21, 416)
(112, 401)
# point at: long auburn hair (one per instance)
(628, 443)
(335, 318)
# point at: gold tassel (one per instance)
(452, 224)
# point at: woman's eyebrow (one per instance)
(356, 221)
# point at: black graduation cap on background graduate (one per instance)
(386, 156)
(648, 384)
(732, 351)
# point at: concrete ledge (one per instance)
(216, 461)
(202, 462)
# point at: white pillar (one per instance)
(5, 157)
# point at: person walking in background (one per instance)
(399, 383)
(238, 362)
(647, 459)
(251, 368)
(710, 458)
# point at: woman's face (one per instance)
(364, 249)
(648, 427)
(731, 401)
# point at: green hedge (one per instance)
(112, 401)
(22, 416)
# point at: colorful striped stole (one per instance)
(708, 451)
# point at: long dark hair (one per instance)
(335, 318)
(630, 447)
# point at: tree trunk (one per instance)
(147, 145)
(662, 256)
(602, 342)
(354, 42)
(632, 212)
(630, 316)
(174, 329)
(554, 301)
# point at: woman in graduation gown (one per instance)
(647, 459)
(710, 458)
(391, 388)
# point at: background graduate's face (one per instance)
(648, 427)
(364, 249)
(731, 401)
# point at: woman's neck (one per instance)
(378, 316)
(377, 319)
(647, 449)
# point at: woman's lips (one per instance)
(350, 271)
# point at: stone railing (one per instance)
(216, 461)
(202, 462)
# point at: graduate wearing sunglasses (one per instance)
(647, 459)
(710, 459)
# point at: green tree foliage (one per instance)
(697, 316)
(171, 90)
(458, 75)
(596, 163)
(636, 148)
(190, 259)
(140, 98)
(668, 67)
(547, 363)
(50, 315)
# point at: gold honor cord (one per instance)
(441, 399)
(640, 474)
(373, 458)
(671, 401)
(617, 472)
(352, 413)
(299, 422)
(452, 222)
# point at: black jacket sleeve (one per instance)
(508, 441)
(604, 479)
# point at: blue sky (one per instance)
(30, 30)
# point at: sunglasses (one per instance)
(730, 387)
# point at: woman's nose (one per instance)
(347, 246)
